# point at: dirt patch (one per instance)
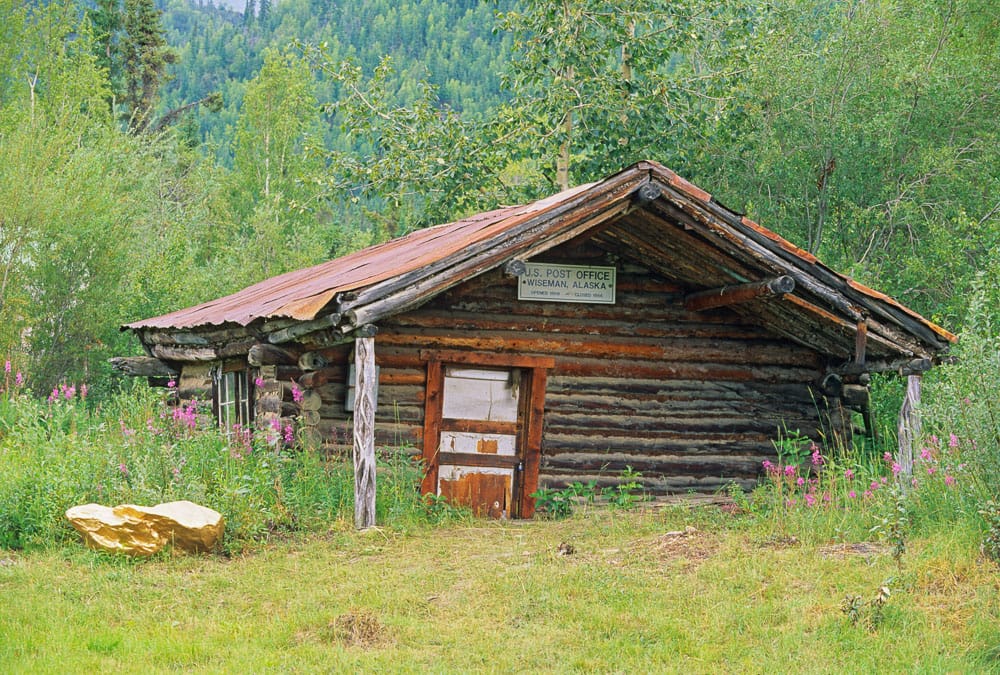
(688, 546)
(865, 549)
(359, 628)
(780, 541)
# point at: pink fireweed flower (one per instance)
(69, 392)
(800, 481)
(849, 474)
(258, 382)
(925, 454)
(810, 500)
(852, 494)
(123, 469)
(83, 390)
(817, 458)
(54, 396)
(289, 434)
(931, 470)
(914, 482)
(896, 468)
(790, 503)
(790, 470)
(6, 366)
(887, 456)
(297, 394)
(867, 494)
(874, 486)
(767, 465)
(171, 383)
(934, 440)
(276, 424)
(949, 480)
(19, 380)
(885, 481)
(952, 441)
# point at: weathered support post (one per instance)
(909, 429)
(364, 433)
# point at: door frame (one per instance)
(531, 410)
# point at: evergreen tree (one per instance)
(146, 57)
(107, 21)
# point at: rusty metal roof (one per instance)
(302, 294)
(391, 277)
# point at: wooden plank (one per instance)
(193, 354)
(533, 421)
(364, 434)
(478, 426)
(142, 366)
(432, 425)
(478, 459)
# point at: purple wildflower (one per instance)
(258, 382)
(896, 468)
(297, 394)
(849, 474)
(289, 434)
(949, 480)
(790, 470)
(19, 380)
(852, 494)
(6, 366)
(952, 441)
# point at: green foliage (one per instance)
(134, 448)
(597, 85)
(626, 493)
(866, 132)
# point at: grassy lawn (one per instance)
(639, 592)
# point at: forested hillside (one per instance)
(451, 45)
(149, 161)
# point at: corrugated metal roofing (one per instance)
(302, 294)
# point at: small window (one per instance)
(233, 396)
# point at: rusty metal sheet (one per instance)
(302, 294)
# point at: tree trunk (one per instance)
(364, 433)
(909, 428)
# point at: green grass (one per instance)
(498, 597)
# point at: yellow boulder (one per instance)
(142, 530)
(104, 529)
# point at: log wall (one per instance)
(691, 400)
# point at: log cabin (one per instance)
(634, 322)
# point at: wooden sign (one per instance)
(548, 282)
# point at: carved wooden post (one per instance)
(909, 429)
(364, 433)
